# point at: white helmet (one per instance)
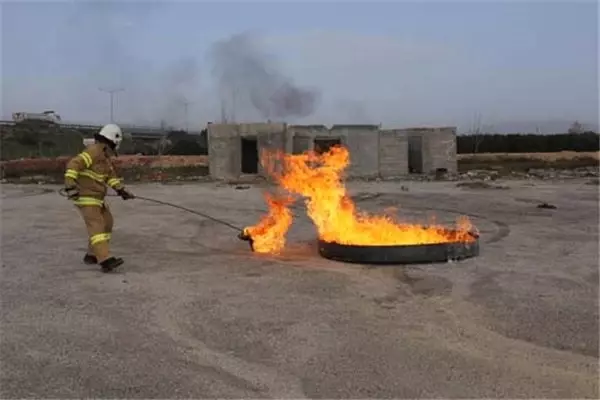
(113, 133)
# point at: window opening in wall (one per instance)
(322, 145)
(415, 154)
(249, 156)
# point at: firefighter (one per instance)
(86, 179)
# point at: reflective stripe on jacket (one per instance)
(92, 170)
(88, 201)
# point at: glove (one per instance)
(125, 195)
(72, 192)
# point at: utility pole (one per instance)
(223, 112)
(186, 103)
(111, 92)
(233, 103)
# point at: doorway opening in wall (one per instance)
(415, 154)
(322, 145)
(249, 156)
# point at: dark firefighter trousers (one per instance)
(99, 223)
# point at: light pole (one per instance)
(234, 94)
(186, 103)
(111, 92)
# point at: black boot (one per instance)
(111, 263)
(90, 259)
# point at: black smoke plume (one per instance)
(247, 76)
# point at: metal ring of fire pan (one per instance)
(401, 254)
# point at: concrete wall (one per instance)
(303, 137)
(373, 151)
(438, 147)
(270, 137)
(363, 143)
(393, 153)
(225, 147)
(442, 150)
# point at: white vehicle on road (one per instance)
(47, 116)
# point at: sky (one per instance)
(396, 63)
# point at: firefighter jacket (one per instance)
(91, 171)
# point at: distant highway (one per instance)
(138, 132)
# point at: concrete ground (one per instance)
(193, 313)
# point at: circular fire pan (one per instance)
(401, 254)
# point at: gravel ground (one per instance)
(193, 313)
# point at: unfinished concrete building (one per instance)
(234, 149)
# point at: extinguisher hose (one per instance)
(63, 193)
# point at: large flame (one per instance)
(319, 179)
(268, 236)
